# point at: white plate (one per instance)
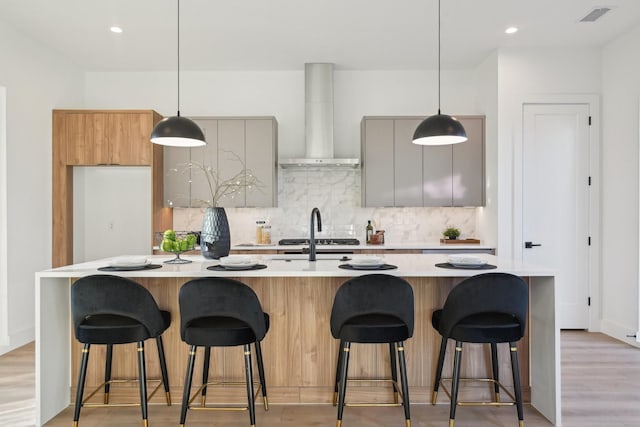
(239, 266)
(129, 262)
(468, 265)
(466, 260)
(237, 261)
(366, 266)
(366, 260)
(366, 263)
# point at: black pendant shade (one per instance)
(177, 131)
(439, 129)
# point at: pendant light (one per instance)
(439, 129)
(178, 131)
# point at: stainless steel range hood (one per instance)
(318, 81)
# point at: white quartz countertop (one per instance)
(386, 246)
(412, 265)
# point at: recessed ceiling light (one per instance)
(511, 30)
(115, 29)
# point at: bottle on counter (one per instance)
(369, 231)
(266, 234)
(259, 227)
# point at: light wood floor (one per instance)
(600, 387)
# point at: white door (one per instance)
(556, 202)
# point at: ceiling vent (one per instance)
(595, 14)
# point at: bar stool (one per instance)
(113, 310)
(488, 308)
(220, 312)
(373, 308)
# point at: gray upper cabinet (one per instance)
(261, 159)
(177, 191)
(397, 172)
(377, 162)
(203, 157)
(231, 141)
(407, 164)
(468, 164)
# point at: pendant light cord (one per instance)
(438, 57)
(178, 58)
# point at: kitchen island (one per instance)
(299, 351)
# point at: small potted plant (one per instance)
(451, 233)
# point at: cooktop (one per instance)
(328, 241)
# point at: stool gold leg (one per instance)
(408, 423)
(434, 397)
(339, 423)
(451, 422)
(266, 403)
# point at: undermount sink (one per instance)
(305, 257)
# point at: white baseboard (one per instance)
(18, 339)
(619, 332)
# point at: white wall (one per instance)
(526, 74)
(281, 94)
(621, 96)
(487, 84)
(37, 80)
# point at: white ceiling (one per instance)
(284, 34)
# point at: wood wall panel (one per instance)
(299, 351)
(90, 138)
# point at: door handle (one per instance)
(529, 245)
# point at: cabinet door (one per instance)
(177, 175)
(85, 138)
(377, 158)
(207, 157)
(468, 165)
(128, 136)
(437, 181)
(260, 159)
(231, 153)
(407, 163)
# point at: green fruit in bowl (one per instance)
(169, 235)
(191, 240)
(166, 245)
(184, 245)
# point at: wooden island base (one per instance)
(299, 351)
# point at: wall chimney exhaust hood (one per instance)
(318, 88)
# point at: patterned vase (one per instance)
(215, 239)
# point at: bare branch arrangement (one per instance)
(220, 188)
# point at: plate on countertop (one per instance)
(366, 262)
(237, 261)
(466, 260)
(220, 267)
(129, 262)
(468, 265)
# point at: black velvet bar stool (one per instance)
(220, 312)
(490, 309)
(112, 310)
(370, 309)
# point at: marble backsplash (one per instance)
(336, 192)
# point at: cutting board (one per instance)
(460, 241)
